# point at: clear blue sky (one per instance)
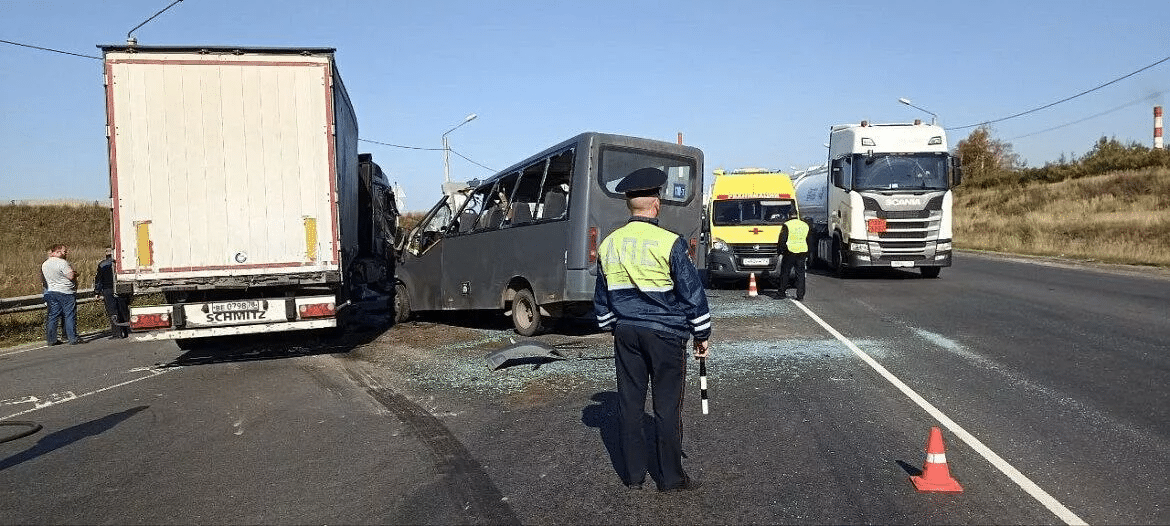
(752, 83)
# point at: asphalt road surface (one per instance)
(1047, 380)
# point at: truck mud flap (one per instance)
(529, 351)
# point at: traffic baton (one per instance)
(703, 383)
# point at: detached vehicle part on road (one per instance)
(885, 200)
(238, 191)
(525, 240)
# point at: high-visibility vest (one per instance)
(637, 255)
(797, 236)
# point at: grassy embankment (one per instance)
(1120, 217)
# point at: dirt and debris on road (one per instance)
(751, 335)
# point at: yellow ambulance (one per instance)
(744, 212)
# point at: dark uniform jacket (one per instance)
(104, 279)
(646, 279)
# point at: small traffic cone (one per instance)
(752, 292)
(936, 476)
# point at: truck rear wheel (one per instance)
(401, 304)
(526, 316)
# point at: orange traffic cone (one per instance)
(752, 292)
(936, 476)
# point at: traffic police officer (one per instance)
(117, 308)
(649, 295)
(793, 247)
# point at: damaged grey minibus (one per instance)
(524, 241)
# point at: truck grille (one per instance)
(909, 233)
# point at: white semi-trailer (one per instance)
(238, 192)
(885, 200)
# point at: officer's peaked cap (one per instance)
(642, 182)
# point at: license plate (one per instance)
(757, 262)
(237, 312)
(901, 263)
(234, 306)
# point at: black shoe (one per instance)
(78, 342)
(58, 342)
(635, 487)
(687, 485)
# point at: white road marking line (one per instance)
(25, 400)
(10, 353)
(1012, 473)
(67, 396)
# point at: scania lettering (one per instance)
(885, 199)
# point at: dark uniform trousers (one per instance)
(642, 353)
(118, 310)
(788, 263)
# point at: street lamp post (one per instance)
(906, 101)
(447, 150)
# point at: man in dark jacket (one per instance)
(117, 308)
(649, 295)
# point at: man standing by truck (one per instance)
(60, 289)
(117, 308)
(793, 248)
(649, 295)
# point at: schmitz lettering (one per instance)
(220, 317)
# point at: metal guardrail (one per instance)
(37, 302)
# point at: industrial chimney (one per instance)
(1158, 127)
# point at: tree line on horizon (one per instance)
(989, 162)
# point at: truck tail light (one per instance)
(876, 226)
(160, 320)
(593, 244)
(317, 310)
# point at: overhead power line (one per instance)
(428, 149)
(401, 146)
(1091, 117)
(49, 49)
(1033, 110)
(471, 161)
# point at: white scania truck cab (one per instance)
(885, 200)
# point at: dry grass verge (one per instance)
(1121, 217)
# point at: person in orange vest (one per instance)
(793, 248)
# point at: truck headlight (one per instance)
(943, 246)
(718, 245)
(860, 248)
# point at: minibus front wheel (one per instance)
(401, 304)
(526, 316)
